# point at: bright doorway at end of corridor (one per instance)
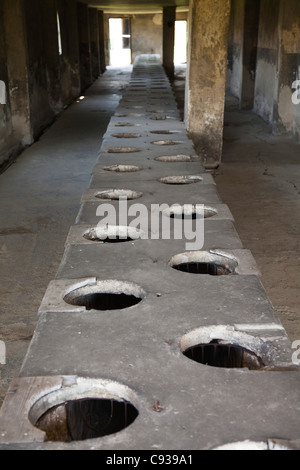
(180, 52)
(120, 41)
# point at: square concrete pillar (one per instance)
(267, 59)
(101, 41)
(17, 70)
(245, 23)
(252, 9)
(69, 63)
(94, 42)
(5, 116)
(84, 45)
(206, 77)
(286, 118)
(169, 17)
(50, 18)
(236, 53)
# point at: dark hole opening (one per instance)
(88, 418)
(115, 239)
(192, 216)
(207, 213)
(104, 301)
(211, 269)
(161, 132)
(158, 118)
(228, 356)
(123, 150)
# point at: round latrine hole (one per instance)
(128, 115)
(112, 234)
(81, 411)
(133, 107)
(79, 420)
(125, 135)
(122, 168)
(202, 262)
(125, 124)
(158, 118)
(117, 194)
(245, 445)
(180, 179)
(166, 142)
(190, 211)
(222, 347)
(164, 132)
(123, 150)
(229, 356)
(173, 158)
(106, 295)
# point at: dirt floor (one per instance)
(259, 179)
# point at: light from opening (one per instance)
(60, 50)
(120, 38)
(180, 55)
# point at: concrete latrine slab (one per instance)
(131, 352)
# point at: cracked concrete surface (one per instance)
(256, 200)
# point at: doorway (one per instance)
(180, 53)
(120, 41)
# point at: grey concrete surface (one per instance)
(136, 351)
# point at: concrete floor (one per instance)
(259, 179)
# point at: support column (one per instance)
(251, 23)
(84, 46)
(206, 77)
(94, 42)
(238, 20)
(286, 117)
(106, 39)
(70, 73)
(51, 55)
(5, 115)
(101, 41)
(266, 81)
(17, 70)
(169, 17)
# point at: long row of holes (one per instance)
(93, 418)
